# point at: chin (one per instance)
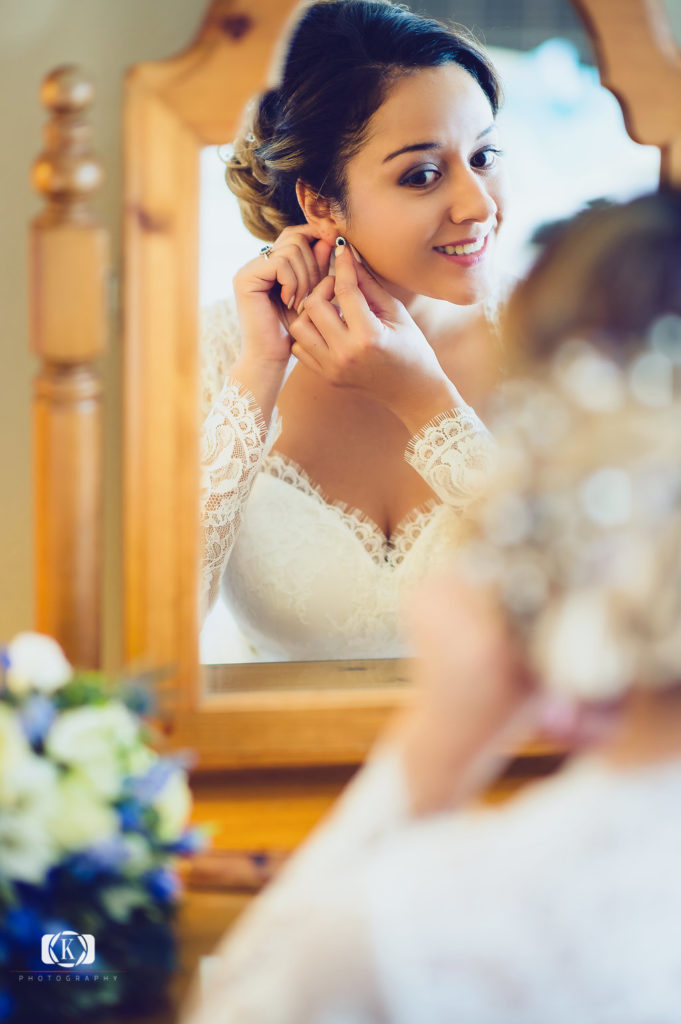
(462, 296)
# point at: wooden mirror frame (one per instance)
(317, 712)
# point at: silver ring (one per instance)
(266, 251)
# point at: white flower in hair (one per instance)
(578, 650)
(581, 530)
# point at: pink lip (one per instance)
(468, 259)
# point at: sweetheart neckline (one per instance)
(388, 544)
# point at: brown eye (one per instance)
(422, 177)
(486, 158)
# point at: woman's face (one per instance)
(429, 181)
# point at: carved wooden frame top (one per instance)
(284, 714)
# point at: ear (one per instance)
(320, 213)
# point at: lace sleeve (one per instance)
(232, 447)
(234, 439)
(219, 347)
(300, 954)
(454, 453)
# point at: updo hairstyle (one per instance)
(342, 58)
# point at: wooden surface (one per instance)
(640, 62)
(67, 296)
(172, 109)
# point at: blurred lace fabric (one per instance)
(581, 531)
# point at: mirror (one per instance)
(564, 146)
(265, 715)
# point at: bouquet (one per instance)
(91, 819)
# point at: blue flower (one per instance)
(131, 814)
(36, 716)
(137, 699)
(6, 1005)
(162, 884)
(105, 857)
(145, 787)
(193, 839)
(23, 924)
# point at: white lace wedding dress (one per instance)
(560, 907)
(307, 578)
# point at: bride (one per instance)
(333, 480)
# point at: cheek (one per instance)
(378, 230)
(499, 190)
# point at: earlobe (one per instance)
(318, 213)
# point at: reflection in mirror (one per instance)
(564, 145)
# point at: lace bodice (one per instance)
(306, 577)
(560, 906)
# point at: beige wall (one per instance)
(104, 37)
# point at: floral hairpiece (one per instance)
(581, 530)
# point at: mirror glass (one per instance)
(564, 145)
(673, 8)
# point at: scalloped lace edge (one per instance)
(383, 549)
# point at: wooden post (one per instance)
(67, 298)
(640, 63)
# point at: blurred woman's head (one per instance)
(382, 129)
(608, 274)
(582, 532)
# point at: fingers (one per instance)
(324, 315)
(296, 273)
(310, 345)
(380, 302)
(304, 356)
(322, 254)
(293, 261)
(353, 305)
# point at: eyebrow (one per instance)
(422, 146)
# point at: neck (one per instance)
(648, 731)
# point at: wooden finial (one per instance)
(68, 318)
(67, 172)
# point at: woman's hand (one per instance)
(368, 342)
(474, 701)
(268, 292)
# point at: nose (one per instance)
(469, 198)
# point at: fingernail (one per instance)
(301, 306)
(340, 242)
(289, 304)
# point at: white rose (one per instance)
(27, 850)
(83, 734)
(24, 776)
(95, 739)
(578, 650)
(27, 795)
(80, 817)
(14, 749)
(36, 662)
(174, 804)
